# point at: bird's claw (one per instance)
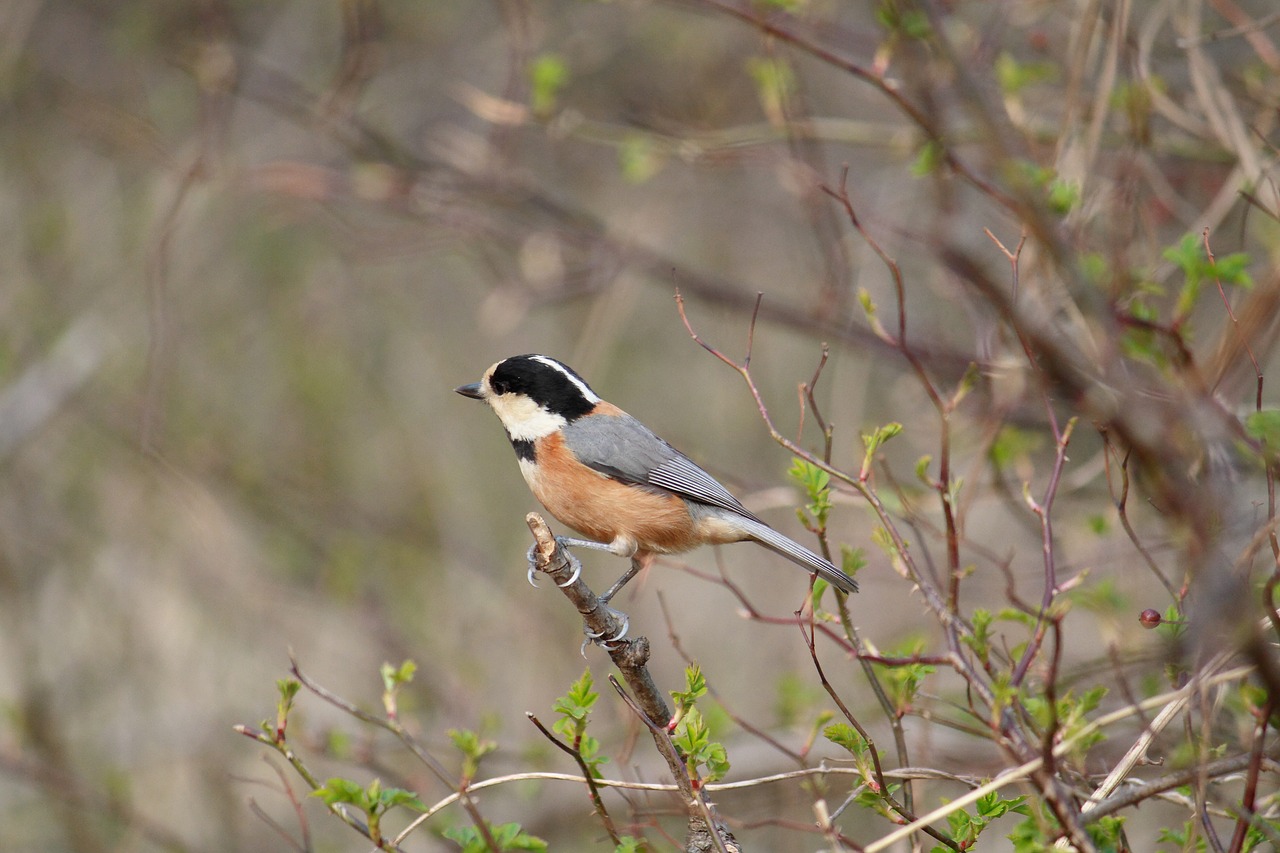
(533, 565)
(600, 640)
(532, 559)
(577, 570)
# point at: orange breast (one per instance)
(604, 509)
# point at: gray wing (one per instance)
(627, 450)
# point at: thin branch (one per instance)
(587, 775)
(395, 727)
(1062, 748)
(1137, 794)
(874, 753)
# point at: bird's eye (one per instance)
(498, 386)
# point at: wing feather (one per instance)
(627, 450)
(682, 476)
(621, 447)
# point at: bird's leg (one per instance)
(612, 548)
(622, 548)
(639, 562)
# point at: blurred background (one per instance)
(247, 250)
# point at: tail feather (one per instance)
(798, 554)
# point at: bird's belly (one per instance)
(607, 510)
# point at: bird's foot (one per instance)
(607, 643)
(532, 559)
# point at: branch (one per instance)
(631, 657)
(1062, 748)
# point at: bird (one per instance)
(607, 476)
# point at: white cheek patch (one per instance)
(524, 419)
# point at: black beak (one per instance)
(472, 391)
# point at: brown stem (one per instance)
(587, 776)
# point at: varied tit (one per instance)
(606, 475)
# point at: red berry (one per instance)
(1149, 618)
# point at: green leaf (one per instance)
(966, 384)
(695, 687)
(930, 156)
(1013, 614)
(1028, 837)
(962, 827)
(868, 304)
(1191, 257)
(980, 639)
(395, 677)
(1094, 266)
(875, 800)
(869, 311)
(992, 806)
(874, 440)
(473, 748)
(1172, 623)
(775, 82)
(373, 799)
(575, 705)
(1063, 196)
(1264, 426)
(574, 708)
(903, 19)
(392, 797)
(846, 736)
(1013, 446)
(692, 738)
(1232, 269)
(1141, 344)
(548, 74)
(1014, 76)
(1060, 194)
(885, 542)
(339, 790)
(852, 559)
(288, 688)
(1187, 255)
(902, 681)
(509, 836)
(1107, 834)
(639, 158)
(817, 486)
